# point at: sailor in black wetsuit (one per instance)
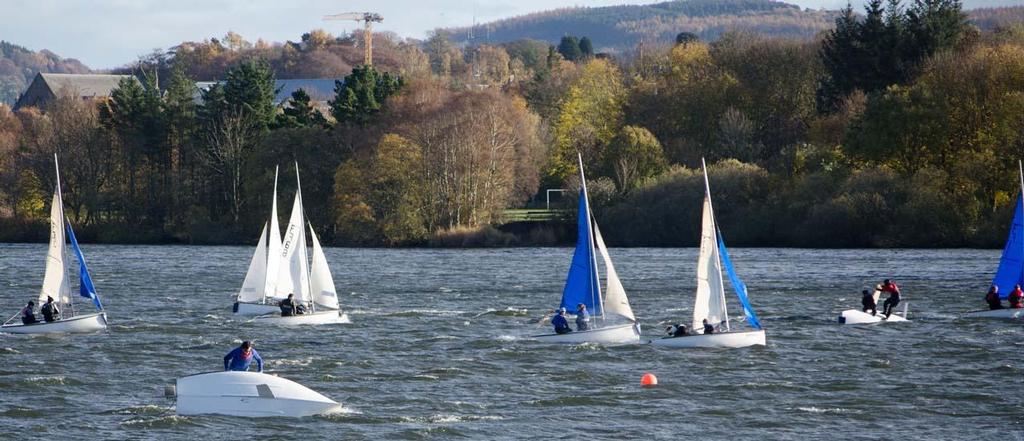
(868, 300)
(287, 306)
(992, 298)
(708, 327)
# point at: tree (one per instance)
(358, 98)
(569, 47)
(586, 48)
(632, 156)
(590, 115)
(249, 91)
(300, 113)
(317, 39)
(686, 38)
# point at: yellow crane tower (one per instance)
(367, 18)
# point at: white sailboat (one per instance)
(312, 286)
(56, 282)
(1011, 263)
(256, 295)
(614, 319)
(247, 394)
(709, 302)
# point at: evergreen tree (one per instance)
(358, 98)
(586, 47)
(934, 25)
(839, 51)
(686, 38)
(249, 87)
(300, 113)
(569, 47)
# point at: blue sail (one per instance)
(86, 288)
(581, 284)
(737, 285)
(1010, 270)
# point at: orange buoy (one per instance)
(648, 380)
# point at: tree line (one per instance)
(898, 127)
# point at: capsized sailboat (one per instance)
(709, 302)
(247, 394)
(614, 321)
(312, 286)
(256, 297)
(859, 317)
(56, 282)
(1011, 263)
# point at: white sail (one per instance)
(293, 266)
(273, 247)
(55, 281)
(710, 299)
(615, 301)
(252, 287)
(321, 284)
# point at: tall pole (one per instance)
(714, 226)
(368, 42)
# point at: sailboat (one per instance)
(1011, 263)
(256, 297)
(56, 282)
(582, 285)
(709, 302)
(312, 285)
(859, 317)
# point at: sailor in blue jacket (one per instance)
(560, 323)
(241, 357)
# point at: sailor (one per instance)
(582, 318)
(708, 327)
(287, 306)
(992, 298)
(560, 323)
(1016, 297)
(868, 300)
(678, 330)
(894, 296)
(27, 316)
(50, 310)
(241, 357)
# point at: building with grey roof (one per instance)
(46, 87)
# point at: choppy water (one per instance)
(436, 350)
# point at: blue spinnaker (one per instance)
(86, 288)
(581, 284)
(737, 285)
(1010, 271)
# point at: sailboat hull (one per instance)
(316, 318)
(627, 333)
(1005, 313)
(253, 309)
(857, 317)
(248, 394)
(723, 340)
(75, 325)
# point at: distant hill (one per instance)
(622, 27)
(19, 65)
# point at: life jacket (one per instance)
(47, 309)
(991, 297)
(891, 288)
(247, 355)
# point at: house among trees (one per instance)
(320, 91)
(46, 87)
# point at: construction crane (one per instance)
(367, 18)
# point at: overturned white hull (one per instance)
(740, 339)
(252, 309)
(857, 317)
(248, 394)
(78, 324)
(317, 318)
(627, 333)
(1005, 313)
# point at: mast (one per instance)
(273, 253)
(65, 286)
(711, 209)
(590, 240)
(1020, 168)
(304, 282)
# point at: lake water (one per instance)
(437, 350)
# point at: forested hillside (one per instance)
(622, 27)
(18, 65)
(901, 125)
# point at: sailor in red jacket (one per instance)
(1016, 296)
(894, 296)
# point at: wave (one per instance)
(163, 422)
(449, 419)
(21, 412)
(828, 410)
(146, 409)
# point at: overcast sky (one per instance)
(110, 33)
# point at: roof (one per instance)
(88, 85)
(319, 89)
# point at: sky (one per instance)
(109, 33)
